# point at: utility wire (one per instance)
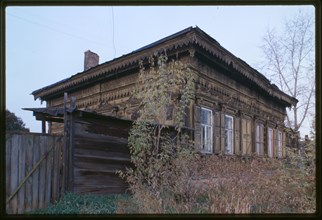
(54, 29)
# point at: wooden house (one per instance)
(237, 110)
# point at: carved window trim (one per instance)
(206, 132)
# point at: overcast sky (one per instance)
(47, 44)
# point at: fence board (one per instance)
(14, 172)
(8, 167)
(49, 168)
(56, 171)
(29, 163)
(42, 173)
(22, 163)
(35, 175)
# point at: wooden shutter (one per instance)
(217, 131)
(243, 136)
(246, 137)
(237, 135)
(222, 132)
(249, 138)
(275, 134)
(197, 125)
(265, 140)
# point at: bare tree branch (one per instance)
(290, 61)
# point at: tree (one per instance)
(14, 123)
(159, 153)
(290, 62)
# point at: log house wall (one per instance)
(214, 90)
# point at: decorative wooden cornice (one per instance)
(184, 41)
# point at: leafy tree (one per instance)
(159, 152)
(290, 61)
(14, 123)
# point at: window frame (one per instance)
(227, 131)
(259, 138)
(205, 127)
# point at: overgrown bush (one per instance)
(231, 185)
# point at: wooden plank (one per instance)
(56, 172)
(29, 162)
(116, 128)
(35, 175)
(60, 165)
(49, 167)
(42, 173)
(106, 151)
(8, 169)
(14, 172)
(22, 173)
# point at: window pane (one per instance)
(228, 122)
(206, 130)
(229, 135)
(205, 117)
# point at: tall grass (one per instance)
(231, 185)
(74, 204)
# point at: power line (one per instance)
(54, 29)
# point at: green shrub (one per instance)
(71, 203)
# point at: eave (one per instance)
(180, 42)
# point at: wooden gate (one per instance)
(35, 171)
(99, 148)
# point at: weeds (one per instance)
(231, 185)
(75, 204)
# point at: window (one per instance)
(260, 139)
(229, 138)
(270, 141)
(279, 144)
(206, 130)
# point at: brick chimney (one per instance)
(91, 59)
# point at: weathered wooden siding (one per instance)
(99, 150)
(33, 171)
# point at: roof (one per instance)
(190, 36)
(57, 114)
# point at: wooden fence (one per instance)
(35, 171)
